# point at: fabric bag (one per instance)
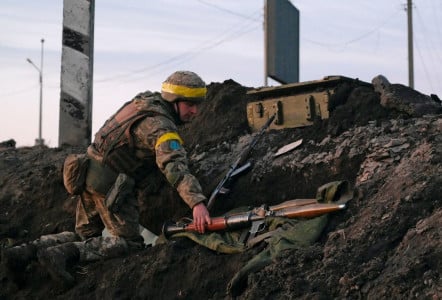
(122, 189)
(74, 173)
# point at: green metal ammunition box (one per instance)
(297, 104)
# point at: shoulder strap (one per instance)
(125, 128)
(261, 237)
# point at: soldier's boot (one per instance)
(98, 248)
(54, 239)
(57, 259)
(16, 258)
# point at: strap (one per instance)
(123, 127)
(253, 241)
(100, 177)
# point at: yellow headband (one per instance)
(187, 92)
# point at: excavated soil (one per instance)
(385, 245)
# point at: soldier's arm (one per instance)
(160, 135)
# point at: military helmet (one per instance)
(183, 85)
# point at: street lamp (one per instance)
(39, 141)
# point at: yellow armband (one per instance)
(168, 137)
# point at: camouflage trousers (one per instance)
(92, 216)
(49, 240)
(16, 258)
(101, 248)
(92, 249)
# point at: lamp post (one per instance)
(39, 141)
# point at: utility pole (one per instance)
(266, 71)
(410, 44)
(76, 80)
(39, 141)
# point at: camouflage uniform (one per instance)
(155, 145)
(134, 145)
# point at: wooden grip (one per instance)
(309, 211)
(219, 223)
(291, 203)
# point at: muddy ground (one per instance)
(385, 245)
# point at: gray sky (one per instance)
(139, 43)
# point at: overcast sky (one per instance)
(139, 43)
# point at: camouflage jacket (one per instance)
(142, 137)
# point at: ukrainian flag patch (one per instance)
(174, 145)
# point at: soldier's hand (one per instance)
(201, 217)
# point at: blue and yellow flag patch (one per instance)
(171, 139)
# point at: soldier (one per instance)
(139, 139)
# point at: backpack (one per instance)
(74, 173)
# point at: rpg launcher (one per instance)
(238, 166)
(255, 218)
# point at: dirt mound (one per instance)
(385, 245)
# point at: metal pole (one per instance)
(410, 44)
(265, 45)
(77, 59)
(39, 141)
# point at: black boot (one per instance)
(17, 258)
(57, 259)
